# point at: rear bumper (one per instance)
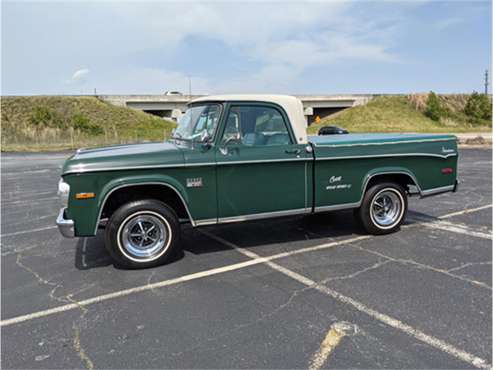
(440, 190)
(65, 226)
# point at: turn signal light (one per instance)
(447, 170)
(84, 195)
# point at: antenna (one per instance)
(486, 82)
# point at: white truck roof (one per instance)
(291, 105)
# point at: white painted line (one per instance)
(164, 283)
(23, 201)
(457, 228)
(386, 319)
(463, 212)
(29, 231)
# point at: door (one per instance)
(261, 171)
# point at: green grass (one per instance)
(60, 122)
(402, 114)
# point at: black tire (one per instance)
(156, 223)
(375, 223)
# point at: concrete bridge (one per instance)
(166, 105)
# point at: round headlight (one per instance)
(63, 192)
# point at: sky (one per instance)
(300, 47)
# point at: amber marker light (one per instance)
(84, 195)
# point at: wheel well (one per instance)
(137, 192)
(405, 180)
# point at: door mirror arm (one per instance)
(224, 147)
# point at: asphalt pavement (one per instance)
(297, 292)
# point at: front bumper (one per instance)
(65, 226)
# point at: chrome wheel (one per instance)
(387, 208)
(144, 236)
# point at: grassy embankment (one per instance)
(404, 114)
(58, 123)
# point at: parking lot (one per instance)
(298, 292)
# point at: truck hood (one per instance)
(120, 157)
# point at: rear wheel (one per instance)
(142, 234)
(383, 208)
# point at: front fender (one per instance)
(86, 213)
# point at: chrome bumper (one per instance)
(65, 226)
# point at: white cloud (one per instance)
(79, 76)
(285, 37)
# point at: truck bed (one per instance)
(363, 139)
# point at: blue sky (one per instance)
(302, 47)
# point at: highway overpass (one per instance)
(164, 105)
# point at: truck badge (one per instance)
(335, 179)
(195, 182)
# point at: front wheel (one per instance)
(383, 208)
(142, 234)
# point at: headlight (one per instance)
(63, 192)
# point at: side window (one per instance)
(257, 125)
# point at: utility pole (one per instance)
(190, 87)
(486, 82)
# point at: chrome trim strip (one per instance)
(389, 155)
(265, 161)
(258, 216)
(138, 184)
(433, 191)
(207, 221)
(65, 226)
(82, 170)
(337, 207)
(384, 143)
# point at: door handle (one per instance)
(293, 151)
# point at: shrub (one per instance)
(478, 107)
(434, 108)
(83, 124)
(40, 116)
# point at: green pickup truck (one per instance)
(236, 158)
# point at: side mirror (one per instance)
(233, 138)
(205, 137)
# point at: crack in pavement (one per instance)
(468, 264)
(64, 299)
(418, 265)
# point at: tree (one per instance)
(478, 107)
(434, 109)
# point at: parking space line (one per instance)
(457, 228)
(174, 281)
(386, 319)
(185, 278)
(463, 212)
(28, 231)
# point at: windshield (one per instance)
(197, 121)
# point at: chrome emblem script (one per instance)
(194, 182)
